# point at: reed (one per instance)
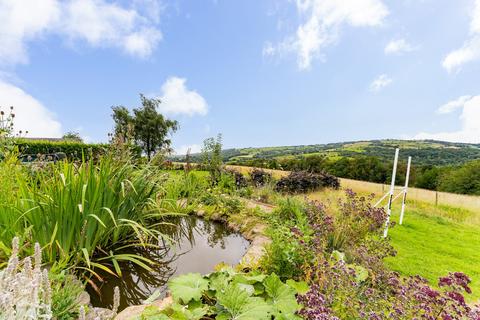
(85, 216)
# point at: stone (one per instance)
(135, 311)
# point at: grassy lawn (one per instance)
(432, 241)
(432, 246)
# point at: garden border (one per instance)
(255, 235)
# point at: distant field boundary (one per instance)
(414, 194)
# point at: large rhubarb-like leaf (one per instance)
(188, 287)
(236, 304)
(281, 295)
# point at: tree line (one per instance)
(464, 179)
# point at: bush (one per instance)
(303, 181)
(73, 149)
(240, 180)
(260, 177)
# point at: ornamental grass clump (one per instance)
(25, 291)
(84, 215)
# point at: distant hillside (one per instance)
(427, 152)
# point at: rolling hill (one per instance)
(424, 152)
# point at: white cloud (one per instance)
(194, 148)
(398, 46)
(97, 22)
(468, 53)
(30, 114)
(21, 21)
(469, 118)
(178, 99)
(107, 24)
(321, 22)
(470, 50)
(453, 105)
(380, 82)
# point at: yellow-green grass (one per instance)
(453, 200)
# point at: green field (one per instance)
(432, 246)
(426, 152)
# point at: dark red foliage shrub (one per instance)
(260, 177)
(240, 180)
(303, 181)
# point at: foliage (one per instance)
(25, 291)
(240, 180)
(73, 149)
(465, 179)
(303, 181)
(82, 215)
(72, 136)
(150, 128)
(260, 177)
(226, 294)
(211, 157)
(353, 283)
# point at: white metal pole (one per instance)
(392, 190)
(405, 189)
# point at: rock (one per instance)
(83, 299)
(135, 311)
(99, 313)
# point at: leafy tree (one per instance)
(427, 177)
(152, 128)
(72, 136)
(148, 128)
(123, 123)
(464, 179)
(212, 157)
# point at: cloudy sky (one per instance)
(271, 72)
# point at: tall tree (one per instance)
(72, 136)
(150, 128)
(123, 123)
(212, 157)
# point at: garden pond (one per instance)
(196, 245)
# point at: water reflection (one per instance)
(196, 246)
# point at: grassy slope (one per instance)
(432, 241)
(424, 152)
(432, 246)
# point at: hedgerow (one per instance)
(73, 149)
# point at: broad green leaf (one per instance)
(187, 287)
(338, 256)
(238, 305)
(248, 279)
(154, 296)
(301, 287)
(152, 313)
(219, 281)
(281, 295)
(248, 288)
(361, 274)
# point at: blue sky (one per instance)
(261, 73)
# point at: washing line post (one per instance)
(392, 190)
(405, 189)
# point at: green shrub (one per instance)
(73, 149)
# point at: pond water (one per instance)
(198, 245)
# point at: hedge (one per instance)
(74, 150)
